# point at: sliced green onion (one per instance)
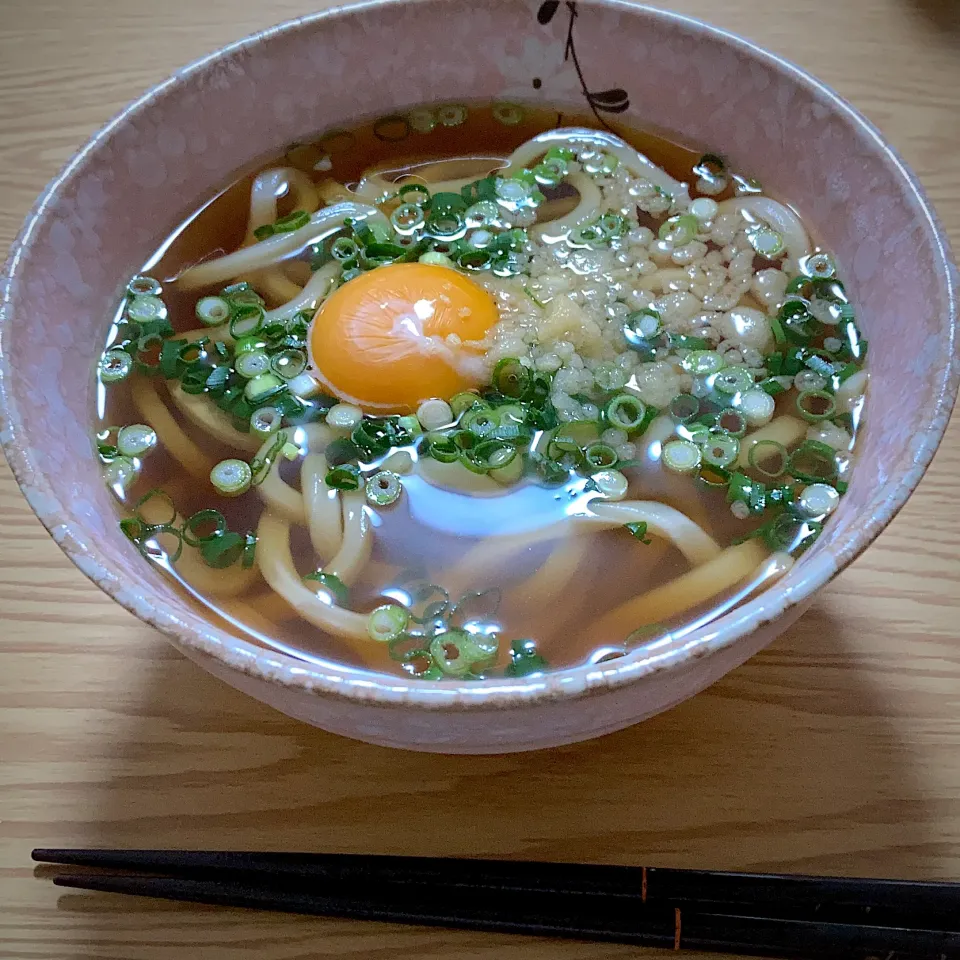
(765, 240)
(813, 462)
(576, 435)
(407, 218)
(332, 584)
(684, 407)
(344, 477)
(288, 363)
(231, 477)
(136, 440)
(436, 259)
(815, 405)
(681, 456)
(513, 190)
(712, 476)
(413, 193)
(133, 529)
(247, 319)
(292, 221)
(612, 225)
(143, 286)
(265, 420)
(445, 225)
(144, 309)
(383, 488)
(642, 326)
(495, 454)
(550, 173)
(751, 493)
(452, 115)
(721, 450)
(757, 406)
(344, 416)
(340, 451)
(732, 380)
(343, 249)
(290, 451)
(483, 213)
(507, 113)
(120, 474)
(701, 363)
(249, 551)
(241, 293)
(639, 531)
(252, 364)
(679, 230)
(387, 623)
(525, 660)
(450, 653)
(213, 311)
(304, 385)
(160, 534)
(817, 500)
(511, 378)
(819, 266)
(261, 387)
(600, 455)
(704, 209)
(763, 450)
(585, 236)
(609, 376)
(625, 412)
(115, 365)
(480, 422)
(610, 484)
(732, 422)
(444, 450)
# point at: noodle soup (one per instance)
(480, 391)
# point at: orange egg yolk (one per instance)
(401, 334)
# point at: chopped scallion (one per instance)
(231, 477)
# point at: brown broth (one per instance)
(426, 527)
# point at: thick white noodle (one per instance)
(307, 298)
(640, 166)
(194, 460)
(276, 565)
(276, 493)
(322, 505)
(269, 186)
(586, 210)
(203, 413)
(357, 543)
(493, 553)
(780, 218)
(730, 569)
(267, 252)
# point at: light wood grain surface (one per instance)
(836, 750)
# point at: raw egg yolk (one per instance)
(401, 334)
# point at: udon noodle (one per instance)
(470, 412)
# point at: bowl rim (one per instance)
(198, 637)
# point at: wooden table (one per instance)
(836, 750)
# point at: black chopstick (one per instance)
(657, 926)
(834, 899)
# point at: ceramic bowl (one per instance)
(172, 149)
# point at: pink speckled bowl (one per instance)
(163, 156)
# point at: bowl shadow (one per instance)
(790, 763)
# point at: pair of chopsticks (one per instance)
(758, 914)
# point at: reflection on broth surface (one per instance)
(480, 391)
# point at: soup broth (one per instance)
(480, 390)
